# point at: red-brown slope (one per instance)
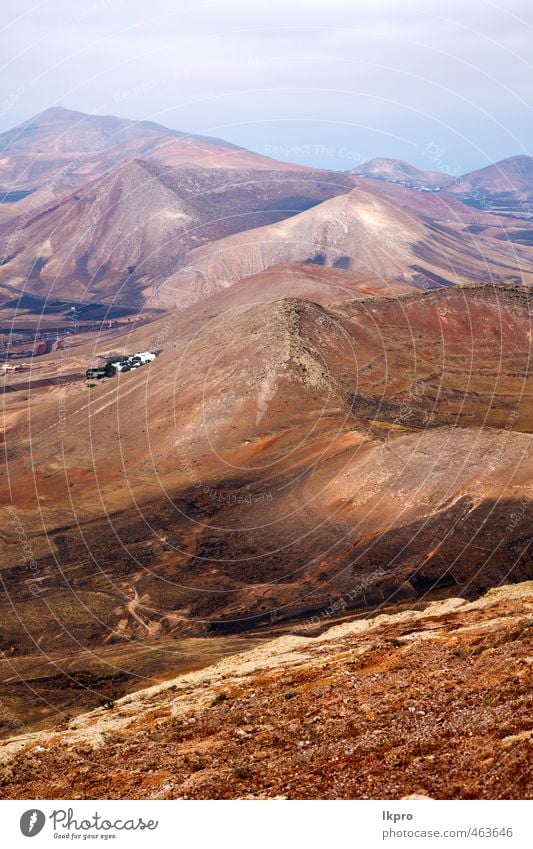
(432, 703)
(127, 231)
(365, 230)
(271, 459)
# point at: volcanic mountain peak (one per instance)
(521, 163)
(331, 226)
(70, 131)
(508, 175)
(113, 129)
(65, 148)
(129, 174)
(362, 231)
(98, 234)
(397, 170)
(352, 230)
(308, 281)
(277, 456)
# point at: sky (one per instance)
(330, 83)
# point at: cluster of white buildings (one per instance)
(120, 363)
(133, 361)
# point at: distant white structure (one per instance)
(122, 365)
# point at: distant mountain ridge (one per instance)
(514, 174)
(66, 148)
(362, 231)
(504, 187)
(399, 171)
(67, 129)
(123, 232)
(132, 209)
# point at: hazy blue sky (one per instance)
(327, 82)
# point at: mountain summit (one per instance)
(65, 147)
(398, 171)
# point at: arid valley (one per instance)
(289, 556)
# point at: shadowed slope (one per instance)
(124, 233)
(275, 455)
(362, 231)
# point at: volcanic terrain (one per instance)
(339, 421)
(272, 458)
(505, 187)
(122, 234)
(433, 703)
(367, 231)
(127, 211)
(397, 171)
(62, 148)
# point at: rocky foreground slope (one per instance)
(433, 702)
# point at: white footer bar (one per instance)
(254, 824)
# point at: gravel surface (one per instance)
(434, 702)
